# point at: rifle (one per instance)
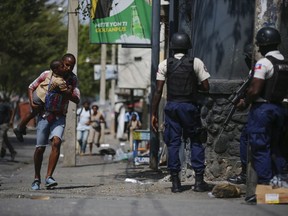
(236, 96)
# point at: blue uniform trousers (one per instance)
(264, 127)
(183, 118)
(243, 146)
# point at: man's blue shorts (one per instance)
(46, 131)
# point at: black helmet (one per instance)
(268, 36)
(180, 41)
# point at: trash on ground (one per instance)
(134, 181)
(226, 191)
(107, 151)
(279, 181)
(106, 145)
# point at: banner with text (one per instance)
(121, 21)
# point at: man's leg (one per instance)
(84, 139)
(57, 130)
(241, 178)
(80, 141)
(90, 140)
(54, 156)
(2, 144)
(172, 138)
(38, 158)
(53, 159)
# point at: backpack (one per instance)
(53, 101)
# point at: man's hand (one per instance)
(242, 105)
(154, 122)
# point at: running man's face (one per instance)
(69, 64)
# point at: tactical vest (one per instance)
(181, 80)
(276, 88)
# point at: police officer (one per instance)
(184, 76)
(267, 114)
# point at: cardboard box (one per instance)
(267, 195)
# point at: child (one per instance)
(52, 82)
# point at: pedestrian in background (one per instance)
(6, 122)
(96, 120)
(50, 128)
(133, 125)
(267, 114)
(128, 117)
(185, 76)
(83, 125)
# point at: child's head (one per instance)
(57, 67)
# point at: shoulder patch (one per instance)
(258, 67)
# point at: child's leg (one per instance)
(20, 130)
(22, 125)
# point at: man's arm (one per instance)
(73, 94)
(253, 93)
(204, 86)
(75, 97)
(155, 104)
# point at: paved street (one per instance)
(100, 186)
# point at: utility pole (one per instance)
(154, 137)
(103, 74)
(112, 92)
(69, 144)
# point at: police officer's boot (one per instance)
(201, 185)
(239, 179)
(176, 183)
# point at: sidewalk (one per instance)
(93, 174)
(100, 186)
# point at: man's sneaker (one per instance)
(251, 200)
(36, 184)
(237, 179)
(19, 134)
(50, 182)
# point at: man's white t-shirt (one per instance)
(84, 118)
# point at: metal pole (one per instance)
(154, 137)
(173, 21)
(103, 74)
(69, 144)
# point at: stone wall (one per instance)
(222, 146)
